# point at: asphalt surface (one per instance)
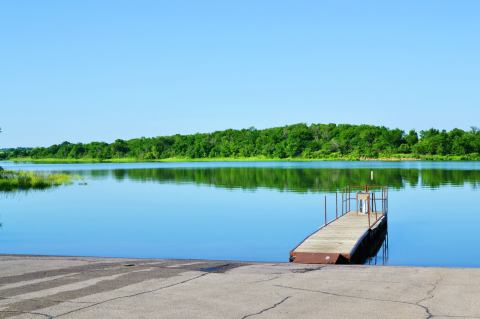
(81, 287)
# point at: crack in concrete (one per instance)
(416, 304)
(429, 296)
(305, 270)
(275, 305)
(129, 296)
(447, 316)
(379, 282)
(347, 296)
(265, 280)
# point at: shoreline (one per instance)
(230, 159)
(229, 261)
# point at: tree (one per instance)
(411, 138)
(120, 148)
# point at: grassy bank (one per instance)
(389, 157)
(21, 180)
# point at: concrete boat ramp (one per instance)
(79, 287)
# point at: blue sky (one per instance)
(101, 70)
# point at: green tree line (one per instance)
(315, 141)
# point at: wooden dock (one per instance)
(349, 238)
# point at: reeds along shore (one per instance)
(23, 180)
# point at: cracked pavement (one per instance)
(82, 287)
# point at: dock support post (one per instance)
(348, 203)
(358, 208)
(342, 200)
(383, 194)
(368, 209)
(325, 209)
(384, 200)
(336, 205)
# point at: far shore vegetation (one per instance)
(298, 142)
(392, 157)
(23, 180)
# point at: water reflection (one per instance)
(380, 257)
(293, 179)
(189, 211)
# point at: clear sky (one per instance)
(100, 70)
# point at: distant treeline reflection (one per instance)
(293, 179)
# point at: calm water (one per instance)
(240, 211)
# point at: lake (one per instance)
(248, 211)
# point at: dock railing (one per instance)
(370, 195)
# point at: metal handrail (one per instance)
(346, 199)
